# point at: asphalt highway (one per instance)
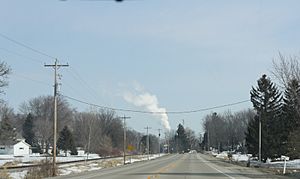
(179, 166)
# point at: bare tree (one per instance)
(85, 130)
(4, 72)
(192, 139)
(42, 110)
(99, 131)
(5, 111)
(7, 128)
(133, 138)
(227, 130)
(286, 68)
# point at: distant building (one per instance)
(15, 148)
(80, 151)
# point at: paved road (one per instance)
(180, 166)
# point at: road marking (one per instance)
(207, 163)
(164, 169)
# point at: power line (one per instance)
(30, 79)
(81, 80)
(26, 46)
(20, 55)
(155, 112)
(74, 73)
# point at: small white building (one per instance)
(16, 148)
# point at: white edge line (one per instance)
(207, 163)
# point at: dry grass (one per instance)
(44, 170)
(4, 174)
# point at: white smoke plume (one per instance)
(150, 103)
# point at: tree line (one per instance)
(95, 131)
(183, 139)
(226, 131)
(276, 106)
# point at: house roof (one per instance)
(24, 143)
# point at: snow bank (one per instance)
(240, 157)
(222, 155)
(235, 157)
(293, 164)
(290, 164)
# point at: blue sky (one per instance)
(188, 54)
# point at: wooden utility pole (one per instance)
(148, 148)
(124, 137)
(55, 66)
(259, 140)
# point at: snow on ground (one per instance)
(291, 164)
(66, 169)
(234, 157)
(6, 158)
(31, 159)
(240, 157)
(18, 175)
(105, 163)
(222, 155)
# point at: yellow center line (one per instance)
(165, 168)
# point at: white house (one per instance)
(16, 148)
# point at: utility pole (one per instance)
(124, 137)
(259, 140)
(89, 142)
(56, 66)
(159, 142)
(208, 140)
(148, 141)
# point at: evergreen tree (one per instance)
(7, 131)
(291, 106)
(291, 116)
(293, 146)
(181, 139)
(28, 133)
(66, 141)
(266, 100)
(252, 136)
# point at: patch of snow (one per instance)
(94, 168)
(18, 175)
(67, 169)
(222, 155)
(27, 160)
(240, 157)
(289, 164)
(64, 172)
